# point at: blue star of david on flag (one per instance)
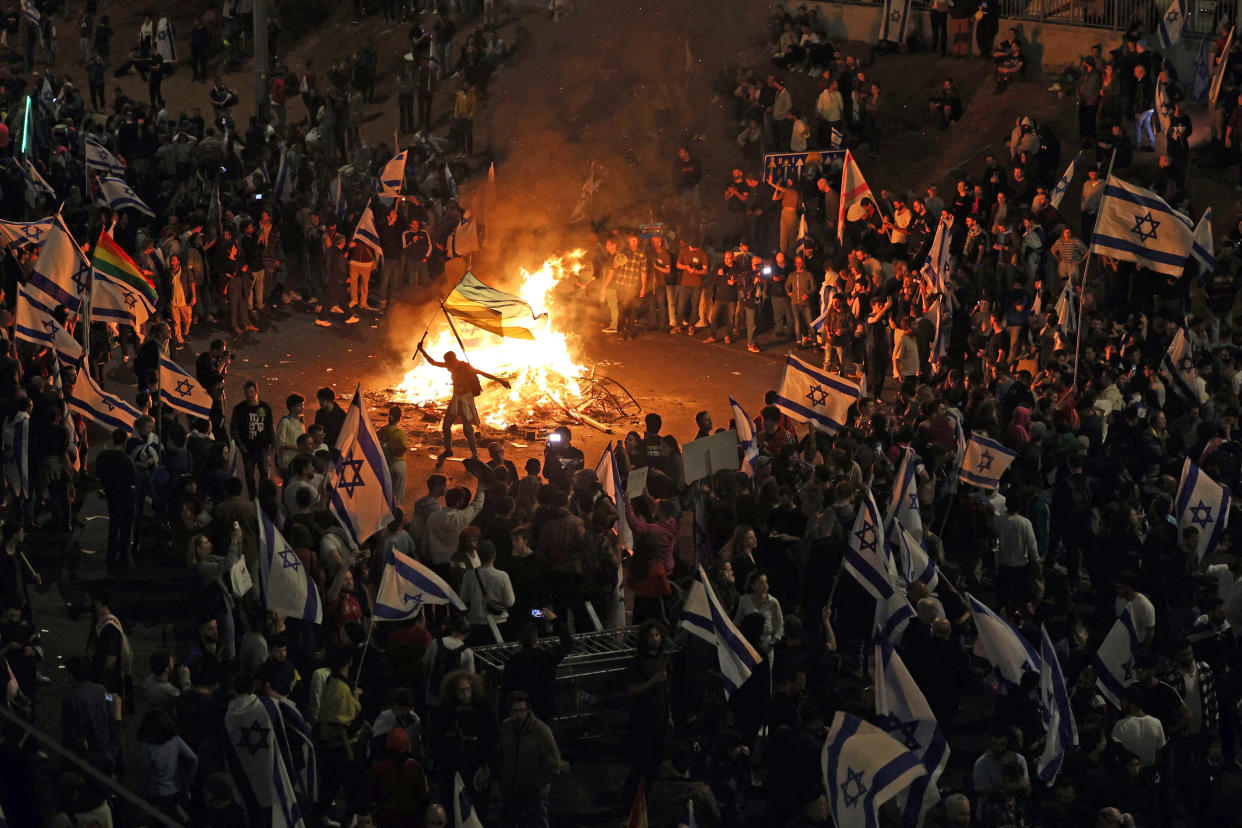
(289, 559)
(904, 732)
(1201, 514)
(183, 388)
(985, 461)
(415, 601)
(82, 277)
(817, 395)
(1173, 16)
(349, 464)
(866, 539)
(853, 779)
(130, 299)
(1148, 222)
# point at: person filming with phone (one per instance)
(561, 458)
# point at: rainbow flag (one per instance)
(110, 261)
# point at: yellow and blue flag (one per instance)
(492, 310)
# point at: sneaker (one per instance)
(251, 328)
(754, 349)
(710, 339)
(689, 330)
(728, 340)
(335, 309)
(674, 330)
(314, 300)
(323, 323)
(352, 320)
(444, 454)
(609, 330)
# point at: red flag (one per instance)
(853, 190)
(638, 811)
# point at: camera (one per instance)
(536, 613)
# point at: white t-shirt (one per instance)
(1141, 735)
(1141, 612)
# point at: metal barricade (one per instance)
(589, 686)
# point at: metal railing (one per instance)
(1204, 16)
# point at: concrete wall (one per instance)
(1051, 45)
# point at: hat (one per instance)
(1084, 444)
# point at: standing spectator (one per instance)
(1090, 86)
(940, 26)
(115, 471)
(396, 446)
(465, 105)
(253, 429)
(182, 299)
(1144, 108)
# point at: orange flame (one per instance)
(542, 372)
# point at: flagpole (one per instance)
(453, 328)
(1086, 269)
(362, 657)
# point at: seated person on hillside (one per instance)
(947, 104)
(1008, 59)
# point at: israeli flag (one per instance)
(610, 479)
(1172, 23)
(704, 617)
(1203, 249)
(297, 746)
(1203, 503)
(61, 275)
(92, 402)
(250, 723)
(959, 455)
(1062, 185)
(984, 462)
(366, 234)
(688, 822)
(896, 16)
(1115, 661)
(903, 503)
(100, 159)
(464, 815)
(393, 176)
(1177, 369)
(939, 262)
(1055, 708)
(181, 392)
(450, 183)
(236, 467)
(892, 615)
(746, 440)
(913, 563)
(940, 339)
(31, 12)
(362, 491)
(32, 321)
(17, 453)
(117, 303)
(902, 711)
(867, 557)
(1136, 225)
(118, 195)
(406, 586)
(19, 235)
(287, 587)
(863, 768)
(1203, 78)
(337, 194)
(36, 184)
(809, 395)
(1010, 655)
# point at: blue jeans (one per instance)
(688, 304)
(1144, 136)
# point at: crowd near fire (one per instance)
(482, 413)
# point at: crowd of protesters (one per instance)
(1082, 527)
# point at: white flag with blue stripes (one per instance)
(362, 485)
(32, 321)
(1010, 655)
(1177, 369)
(464, 814)
(282, 187)
(181, 392)
(336, 194)
(892, 615)
(287, 587)
(61, 275)
(36, 184)
(31, 12)
(809, 395)
(1203, 249)
(1203, 503)
(407, 586)
(117, 303)
(19, 235)
(863, 768)
(118, 195)
(1062, 185)
(609, 475)
(392, 176)
(939, 261)
(1067, 308)
(95, 404)
(941, 322)
(1172, 23)
(1136, 225)
(913, 562)
(1056, 711)
(100, 159)
(745, 428)
(903, 503)
(896, 18)
(1116, 661)
(250, 723)
(704, 617)
(902, 711)
(867, 557)
(365, 233)
(984, 462)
